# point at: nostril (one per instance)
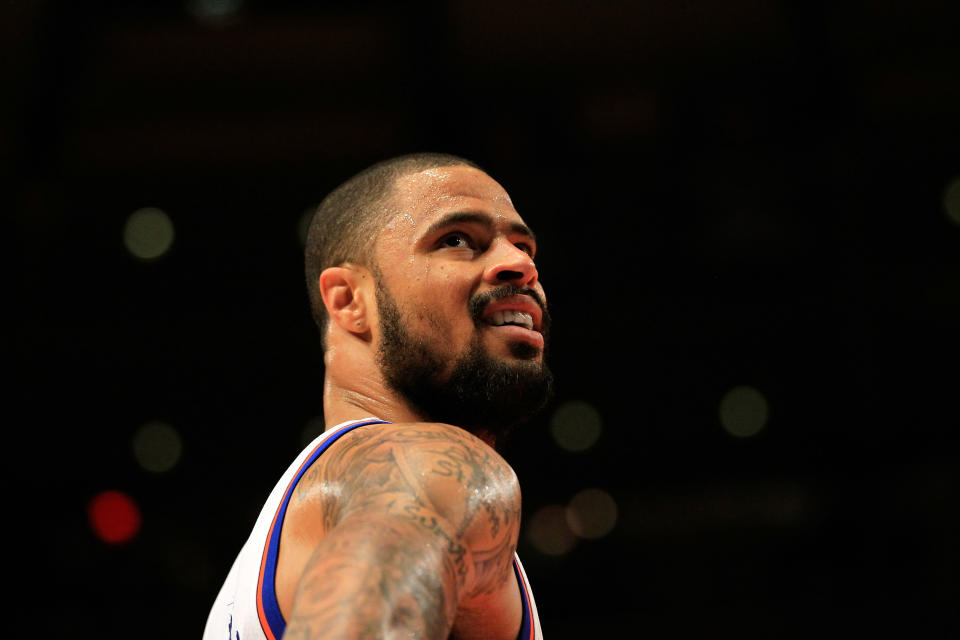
(509, 275)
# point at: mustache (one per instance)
(480, 301)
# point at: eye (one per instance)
(526, 248)
(457, 240)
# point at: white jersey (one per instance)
(246, 607)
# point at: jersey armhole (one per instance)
(526, 623)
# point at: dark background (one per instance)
(726, 193)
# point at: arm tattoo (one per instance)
(400, 506)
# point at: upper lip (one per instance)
(518, 302)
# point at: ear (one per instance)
(346, 291)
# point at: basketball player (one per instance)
(401, 519)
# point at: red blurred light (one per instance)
(114, 516)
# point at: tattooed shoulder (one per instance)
(439, 468)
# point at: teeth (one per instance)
(508, 316)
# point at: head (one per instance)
(458, 322)
(347, 221)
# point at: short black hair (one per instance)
(346, 224)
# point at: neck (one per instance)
(344, 404)
(354, 388)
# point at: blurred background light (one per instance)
(148, 233)
(549, 532)
(951, 200)
(743, 411)
(114, 516)
(575, 426)
(591, 513)
(215, 12)
(157, 447)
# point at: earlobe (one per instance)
(344, 295)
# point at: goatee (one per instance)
(480, 393)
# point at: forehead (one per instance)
(422, 197)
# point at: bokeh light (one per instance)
(148, 233)
(215, 12)
(951, 200)
(549, 532)
(591, 513)
(157, 447)
(743, 411)
(576, 426)
(114, 516)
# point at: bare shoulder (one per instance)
(413, 469)
(440, 465)
(460, 475)
(422, 509)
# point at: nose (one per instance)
(510, 265)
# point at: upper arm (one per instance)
(473, 489)
(424, 513)
(449, 483)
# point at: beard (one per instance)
(480, 393)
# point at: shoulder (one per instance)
(439, 465)
(436, 480)
(417, 439)
(438, 453)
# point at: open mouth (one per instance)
(517, 316)
(513, 309)
(511, 317)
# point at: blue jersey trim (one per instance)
(526, 626)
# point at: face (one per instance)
(463, 319)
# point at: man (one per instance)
(401, 520)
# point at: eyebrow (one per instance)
(474, 217)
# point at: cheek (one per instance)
(442, 303)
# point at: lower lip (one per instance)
(513, 332)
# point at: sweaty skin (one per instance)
(408, 530)
(416, 539)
